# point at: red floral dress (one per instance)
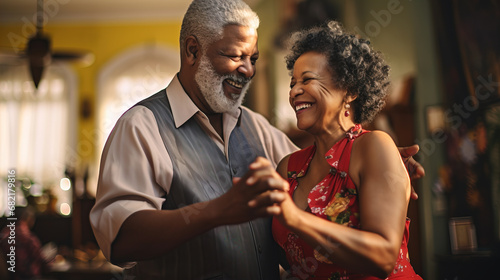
(335, 198)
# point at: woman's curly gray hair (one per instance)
(356, 66)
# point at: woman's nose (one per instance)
(296, 90)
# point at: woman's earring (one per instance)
(347, 106)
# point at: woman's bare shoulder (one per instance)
(375, 140)
(373, 151)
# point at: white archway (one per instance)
(130, 77)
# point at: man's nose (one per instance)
(247, 67)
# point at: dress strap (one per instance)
(345, 158)
(298, 161)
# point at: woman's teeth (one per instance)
(302, 106)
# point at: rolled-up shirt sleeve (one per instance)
(135, 174)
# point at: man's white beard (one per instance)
(210, 84)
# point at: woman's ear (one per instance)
(192, 49)
(349, 97)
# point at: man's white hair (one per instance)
(206, 19)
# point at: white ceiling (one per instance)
(17, 11)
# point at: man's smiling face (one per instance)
(225, 70)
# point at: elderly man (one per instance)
(182, 193)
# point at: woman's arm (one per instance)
(384, 190)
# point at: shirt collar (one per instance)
(181, 105)
(183, 108)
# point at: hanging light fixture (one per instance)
(38, 50)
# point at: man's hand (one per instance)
(415, 169)
(257, 194)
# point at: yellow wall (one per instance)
(105, 41)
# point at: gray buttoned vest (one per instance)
(201, 173)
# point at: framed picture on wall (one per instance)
(462, 235)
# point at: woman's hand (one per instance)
(290, 214)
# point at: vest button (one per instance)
(260, 249)
(234, 170)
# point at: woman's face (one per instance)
(314, 97)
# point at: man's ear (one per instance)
(192, 49)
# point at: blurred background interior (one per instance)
(104, 56)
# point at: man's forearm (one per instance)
(150, 233)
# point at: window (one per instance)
(37, 128)
(130, 77)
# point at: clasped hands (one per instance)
(263, 192)
(257, 194)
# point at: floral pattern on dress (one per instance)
(295, 253)
(293, 249)
(338, 276)
(335, 198)
(321, 258)
(337, 205)
(330, 202)
(337, 210)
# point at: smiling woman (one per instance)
(325, 99)
(345, 212)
